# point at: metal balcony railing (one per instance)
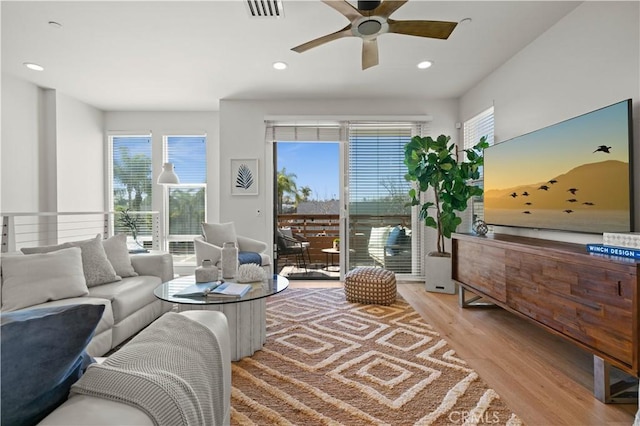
(51, 228)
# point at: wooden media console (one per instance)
(589, 299)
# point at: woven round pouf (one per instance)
(370, 285)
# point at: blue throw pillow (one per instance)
(392, 240)
(43, 354)
(245, 257)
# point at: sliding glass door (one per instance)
(360, 219)
(382, 231)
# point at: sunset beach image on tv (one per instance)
(573, 176)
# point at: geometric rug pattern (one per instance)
(330, 362)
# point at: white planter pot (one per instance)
(437, 271)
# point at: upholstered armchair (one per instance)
(214, 235)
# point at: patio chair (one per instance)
(289, 245)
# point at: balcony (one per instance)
(320, 230)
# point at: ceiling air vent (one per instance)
(265, 8)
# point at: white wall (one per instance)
(53, 146)
(80, 156)
(242, 135)
(173, 123)
(588, 60)
(20, 145)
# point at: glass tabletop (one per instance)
(166, 291)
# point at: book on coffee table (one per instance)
(230, 290)
(198, 289)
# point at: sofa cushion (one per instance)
(118, 254)
(96, 265)
(105, 323)
(42, 354)
(220, 233)
(38, 278)
(128, 295)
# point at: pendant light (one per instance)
(168, 175)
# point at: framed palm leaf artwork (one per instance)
(244, 176)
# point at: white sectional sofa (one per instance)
(84, 410)
(53, 276)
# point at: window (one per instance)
(131, 183)
(474, 129)
(186, 206)
(381, 225)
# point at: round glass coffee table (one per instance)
(246, 315)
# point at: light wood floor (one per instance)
(544, 379)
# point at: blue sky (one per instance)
(316, 165)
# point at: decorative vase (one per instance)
(207, 272)
(229, 260)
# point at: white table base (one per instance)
(247, 324)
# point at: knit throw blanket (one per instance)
(172, 371)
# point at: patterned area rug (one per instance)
(327, 361)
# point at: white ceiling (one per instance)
(186, 56)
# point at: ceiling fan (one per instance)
(370, 20)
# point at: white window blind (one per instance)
(131, 183)
(304, 132)
(189, 157)
(376, 166)
(477, 127)
(378, 193)
(474, 129)
(187, 200)
(131, 172)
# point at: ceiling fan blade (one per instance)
(345, 8)
(387, 7)
(369, 53)
(431, 29)
(345, 32)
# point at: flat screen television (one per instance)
(572, 176)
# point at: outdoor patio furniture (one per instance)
(288, 245)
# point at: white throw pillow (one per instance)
(118, 254)
(38, 278)
(219, 233)
(96, 265)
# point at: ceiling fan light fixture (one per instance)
(33, 66)
(425, 64)
(280, 65)
(370, 20)
(369, 27)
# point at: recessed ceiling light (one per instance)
(424, 65)
(55, 24)
(280, 65)
(466, 21)
(33, 66)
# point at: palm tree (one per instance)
(286, 185)
(186, 210)
(134, 173)
(305, 193)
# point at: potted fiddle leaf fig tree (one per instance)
(443, 187)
